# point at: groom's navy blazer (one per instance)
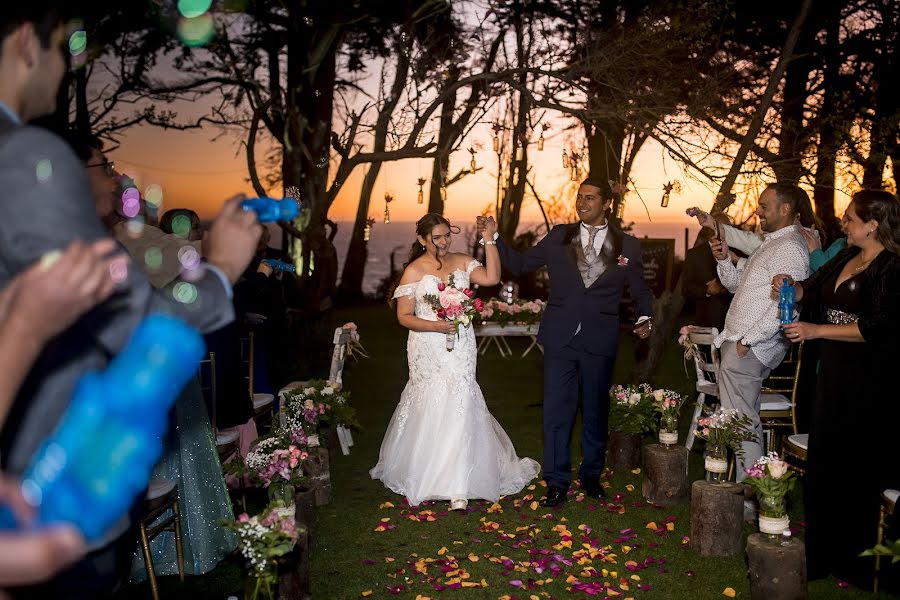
(595, 308)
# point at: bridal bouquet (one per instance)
(454, 305)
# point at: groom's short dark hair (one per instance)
(45, 15)
(595, 182)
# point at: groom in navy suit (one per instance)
(589, 263)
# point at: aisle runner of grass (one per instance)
(370, 543)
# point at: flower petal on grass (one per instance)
(729, 592)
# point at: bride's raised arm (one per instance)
(489, 274)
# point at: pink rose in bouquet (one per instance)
(455, 305)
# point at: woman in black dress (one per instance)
(852, 304)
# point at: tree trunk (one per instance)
(830, 131)
(350, 289)
(777, 570)
(717, 518)
(665, 475)
(624, 451)
(792, 138)
(441, 164)
(318, 470)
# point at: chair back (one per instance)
(343, 336)
(247, 354)
(207, 376)
(784, 378)
(706, 357)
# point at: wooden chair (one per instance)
(795, 449)
(343, 337)
(706, 365)
(263, 403)
(227, 440)
(162, 498)
(888, 504)
(778, 400)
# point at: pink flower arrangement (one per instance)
(270, 461)
(454, 304)
(524, 312)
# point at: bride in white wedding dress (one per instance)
(442, 443)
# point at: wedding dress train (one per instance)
(442, 443)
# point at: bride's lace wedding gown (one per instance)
(442, 443)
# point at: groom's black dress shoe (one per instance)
(592, 487)
(555, 497)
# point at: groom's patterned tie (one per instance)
(590, 253)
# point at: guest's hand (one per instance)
(800, 331)
(703, 218)
(479, 224)
(49, 296)
(642, 329)
(233, 238)
(33, 556)
(741, 349)
(719, 248)
(777, 282)
(811, 235)
(714, 287)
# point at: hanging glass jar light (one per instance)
(388, 198)
(540, 143)
(497, 129)
(565, 158)
(421, 191)
(472, 165)
(367, 230)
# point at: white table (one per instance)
(496, 334)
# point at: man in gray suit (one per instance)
(46, 203)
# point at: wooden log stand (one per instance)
(665, 474)
(317, 469)
(293, 571)
(624, 451)
(305, 515)
(717, 518)
(777, 569)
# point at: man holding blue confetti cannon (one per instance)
(46, 203)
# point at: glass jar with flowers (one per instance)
(263, 540)
(772, 480)
(668, 404)
(278, 464)
(724, 429)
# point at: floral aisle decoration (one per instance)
(772, 480)
(668, 404)
(631, 415)
(723, 429)
(277, 463)
(263, 539)
(458, 306)
(517, 312)
(631, 409)
(317, 405)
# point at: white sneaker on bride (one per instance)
(459, 504)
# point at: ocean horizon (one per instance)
(398, 236)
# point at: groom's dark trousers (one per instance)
(580, 336)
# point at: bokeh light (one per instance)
(118, 269)
(189, 257)
(153, 258)
(44, 170)
(181, 226)
(131, 202)
(154, 195)
(193, 8)
(77, 42)
(197, 31)
(135, 227)
(184, 292)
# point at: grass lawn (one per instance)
(513, 550)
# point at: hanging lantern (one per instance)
(421, 191)
(620, 209)
(668, 188)
(388, 198)
(574, 172)
(472, 165)
(565, 160)
(497, 129)
(367, 230)
(540, 142)
(520, 153)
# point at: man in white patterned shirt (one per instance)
(752, 343)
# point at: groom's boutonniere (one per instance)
(622, 260)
